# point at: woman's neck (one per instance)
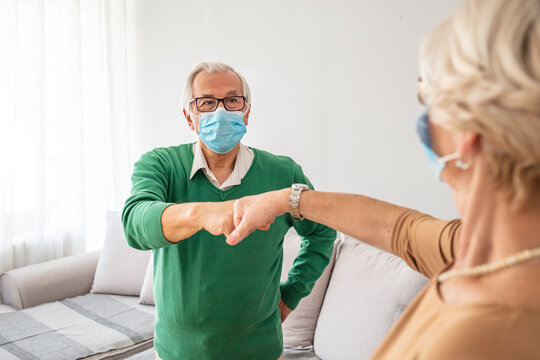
(492, 230)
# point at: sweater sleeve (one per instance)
(142, 211)
(425, 243)
(317, 243)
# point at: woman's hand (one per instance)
(257, 212)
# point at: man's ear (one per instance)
(189, 119)
(246, 115)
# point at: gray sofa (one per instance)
(352, 306)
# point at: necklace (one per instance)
(512, 260)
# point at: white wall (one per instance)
(333, 85)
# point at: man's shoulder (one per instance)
(177, 152)
(268, 157)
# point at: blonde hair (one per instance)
(481, 73)
(210, 67)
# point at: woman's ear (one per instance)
(469, 145)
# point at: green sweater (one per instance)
(215, 301)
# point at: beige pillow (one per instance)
(299, 328)
(121, 268)
(147, 292)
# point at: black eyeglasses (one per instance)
(231, 103)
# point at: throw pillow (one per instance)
(121, 268)
(147, 292)
(365, 296)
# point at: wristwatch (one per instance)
(294, 200)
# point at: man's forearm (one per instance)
(180, 221)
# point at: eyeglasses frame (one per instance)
(218, 101)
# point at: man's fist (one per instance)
(218, 218)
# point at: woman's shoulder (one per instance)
(487, 332)
(432, 328)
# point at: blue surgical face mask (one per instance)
(221, 129)
(437, 163)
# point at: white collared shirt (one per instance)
(243, 162)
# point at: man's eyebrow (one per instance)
(232, 92)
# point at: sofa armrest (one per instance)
(49, 281)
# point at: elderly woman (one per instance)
(481, 85)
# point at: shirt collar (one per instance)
(243, 161)
(199, 161)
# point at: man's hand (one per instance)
(284, 309)
(257, 212)
(217, 217)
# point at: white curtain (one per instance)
(63, 125)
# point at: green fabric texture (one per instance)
(215, 301)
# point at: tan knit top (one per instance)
(431, 329)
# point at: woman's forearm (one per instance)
(364, 218)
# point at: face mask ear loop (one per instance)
(447, 158)
(455, 156)
(462, 165)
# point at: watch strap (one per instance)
(294, 200)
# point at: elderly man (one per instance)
(216, 301)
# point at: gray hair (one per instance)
(210, 67)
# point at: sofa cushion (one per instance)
(292, 354)
(299, 328)
(367, 292)
(147, 291)
(121, 269)
(88, 326)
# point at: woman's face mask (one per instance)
(437, 163)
